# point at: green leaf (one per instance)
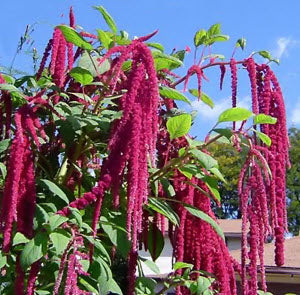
(91, 63)
(263, 137)
(104, 39)
(81, 75)
(56, 220)
(212, 184)
(179, 125)
(217, 38)
(164, 208)
(241, 43)
(235, 114)
(4, 144)
(189, 170)
(60, 241)
(204, 97)
(11, 89)
(200, 37)
(3, 260)
(156, 46)
(73, 37)
(167, 187)
(172, 94)
(224, 131)
(151, 265)
(145, 286)
(108, 19)
(214, 30)
(265, 54)
(34, 250)
(19, 238)
(3, 170)
(264, 119)
(180, 265)
(51, 186)
(217, 173)
(206, 160)
(164, 61)
(201, 285)
(200, 214)
(155, 241)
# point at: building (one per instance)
(280, 280)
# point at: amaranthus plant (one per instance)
(97, 160)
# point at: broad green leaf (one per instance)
(56, 220)
(180, 265)
(265, 54)
(241, 43)
(82, 96)
(215, 171)
(156, 46)
(151, 265)
(73, 37)
(179, 125)
(4, 144)
(162, 61)
(200, 214)
(214, 56)
(19, 238)
(3, 260)
(91, 63)
(11, 89)
(98, 245)
(224, 131)
(179, 54)
(264, 119)
(214, 30)
(51, 186)
(81, 75)
(167, 187)
(155, 241)
(34, 250)
(189, 170)
(75, 213)
(200, 286)
(3, 170)
(172, 94)
(163, 208)
(104, 39)
(193, 142)
(206, 160)
(108, 19)
(204, 97)
(60, 241)
(145, 286)
(235, 114)
(263, 137)
(212, 184)
(217, 38)
(200, 37)
(84, 281)
(41, 214)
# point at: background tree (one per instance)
(293, 182)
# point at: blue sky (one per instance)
(267, 25)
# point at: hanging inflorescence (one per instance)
(137, 141)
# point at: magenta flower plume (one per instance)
(44, 59)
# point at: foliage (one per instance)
(293, 182)
(96, 158)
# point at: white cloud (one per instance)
(206, 113)
(295, 113)
(282, 46)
